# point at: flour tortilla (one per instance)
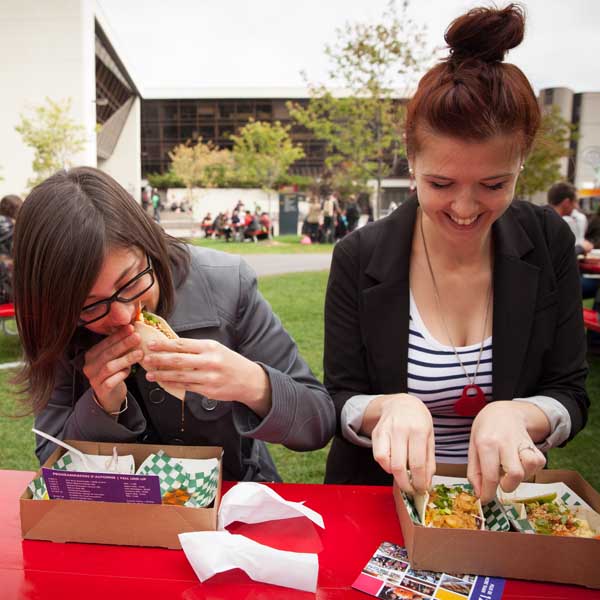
(149, 334)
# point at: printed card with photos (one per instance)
(388, 575)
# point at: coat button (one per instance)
(156, 396)
(208, 404)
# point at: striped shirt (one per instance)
(437, 379)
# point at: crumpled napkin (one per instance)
(251, 502)
(211, 552)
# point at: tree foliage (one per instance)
(200, 164)
(542, 166)
(54, 137)
(263, 153)
(362, 129)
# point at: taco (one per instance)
(450, 507)
(549, 515)
(152, 327)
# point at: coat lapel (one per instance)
(386, 301)
(515, 293)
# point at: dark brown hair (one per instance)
(64, 230)
(472, 94)
(10, 205)
(561, 191)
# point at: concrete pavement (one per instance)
(277, 264)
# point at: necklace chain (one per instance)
(439, 305)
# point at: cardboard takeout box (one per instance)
(506, 554)
(116, 522)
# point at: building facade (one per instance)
(582, 110)
(62, 50)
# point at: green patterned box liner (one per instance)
(172, 476)
(202, 487)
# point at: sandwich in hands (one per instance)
(152, 327)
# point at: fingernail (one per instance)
(150, 376)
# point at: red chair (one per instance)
(590, 320)
(7, 318)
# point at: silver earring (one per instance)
(522, 167)
(411, 172)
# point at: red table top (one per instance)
(357, 520)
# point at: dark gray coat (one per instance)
(219, 300)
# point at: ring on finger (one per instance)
(526, 446)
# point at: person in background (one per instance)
(265, 226)
(9, 209)
(352, 213)
(329, 211)
(593, 230)
(453, 327)
(562, 197)
(156, 204)
(313, 218)
(76, 297)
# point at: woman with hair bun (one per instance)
(453, 327)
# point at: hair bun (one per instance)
(485, 34)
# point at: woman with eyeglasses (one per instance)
(86, 257)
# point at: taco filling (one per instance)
(147, 318)
(550, 517)
(452, 508)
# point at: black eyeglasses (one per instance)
(129, 292)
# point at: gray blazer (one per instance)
(219, 300)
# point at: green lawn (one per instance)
(298, 300)
(283, 244)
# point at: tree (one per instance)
(200, 165)
(54, 136)
(363, 129)
(263, 152)
(542, 166)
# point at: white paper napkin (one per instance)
(102, 464)
(251, 502)
(211, 552)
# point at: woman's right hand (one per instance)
(108, 364)
(402, 439)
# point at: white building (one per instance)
(62, 50)
(582, 110)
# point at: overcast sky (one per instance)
(250, 43)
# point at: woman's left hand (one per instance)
(502, 449)
(211, 369)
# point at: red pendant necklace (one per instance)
(472, 399)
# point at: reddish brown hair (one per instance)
(472, 94)
(64, 230)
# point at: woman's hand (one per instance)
(402, 439)
(207, 367)
(108, 364)
(502, 450)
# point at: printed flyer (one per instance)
(388, 575)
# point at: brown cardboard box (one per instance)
(506, 554)
(115, 522)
